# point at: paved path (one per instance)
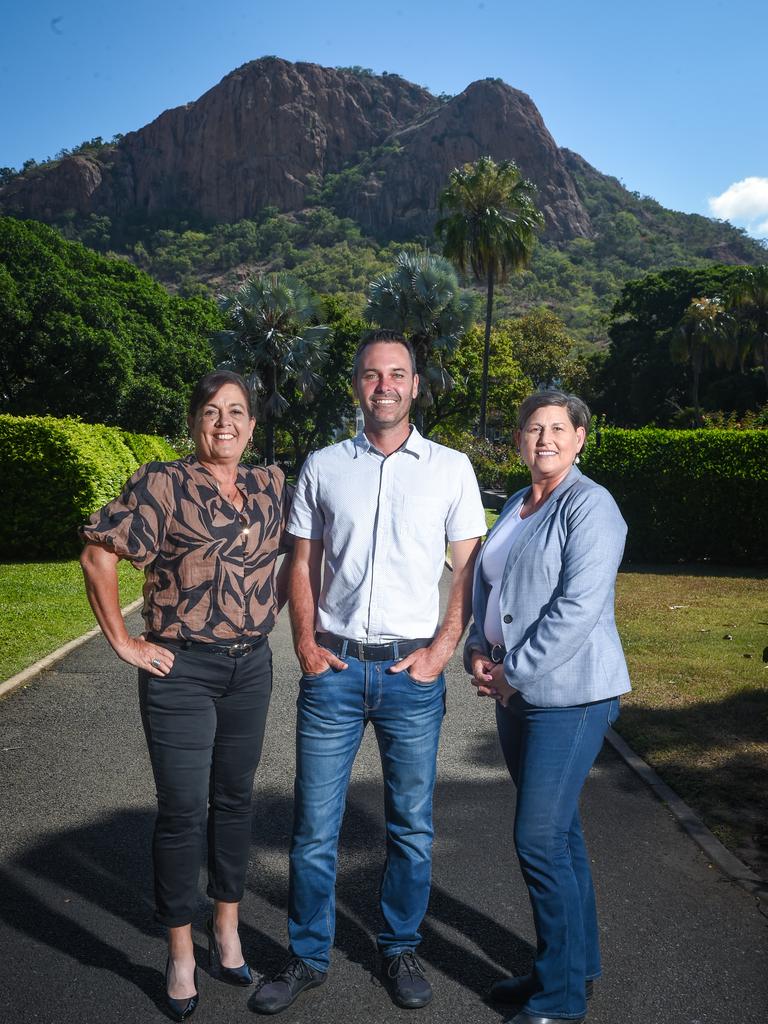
(77, 941)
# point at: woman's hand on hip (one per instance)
(138, 651)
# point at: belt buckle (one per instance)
(236, 650)
(497, 654)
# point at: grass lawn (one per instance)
(694, 640)
(43, 605)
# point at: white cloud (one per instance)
(744, 203)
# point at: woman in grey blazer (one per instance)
(544, 645)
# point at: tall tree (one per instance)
(541, 344)
(456, 410)
(421, 299)
(274, 341)
(489, 226)
(696, 340)
(747, 300)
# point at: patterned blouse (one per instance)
(209, 569)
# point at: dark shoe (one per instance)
(232, 975)
(404, 977)
(514, 991)
(180, 1009)
(526, 1018)
(278, 994)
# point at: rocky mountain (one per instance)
(272, 133)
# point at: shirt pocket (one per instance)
(422, 514)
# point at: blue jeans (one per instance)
(333, 710)
(549, 752)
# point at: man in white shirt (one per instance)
(371, 516)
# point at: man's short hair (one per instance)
(374, 338)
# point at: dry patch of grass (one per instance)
(694, 640)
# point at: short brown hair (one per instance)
(393, 337)
(577, 408)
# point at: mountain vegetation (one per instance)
(363, 160)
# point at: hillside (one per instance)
(325, 170)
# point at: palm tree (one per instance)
(420, 299)
(490, 227)
(747, 300)
(273, 341)
(697, 338)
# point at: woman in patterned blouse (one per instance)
(207, 532)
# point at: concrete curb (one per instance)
(50, 659)
(722, 858)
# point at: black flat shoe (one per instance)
(241, 976)
(404, 977)
(180, 1009)
(277, 995)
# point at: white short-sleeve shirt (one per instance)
(384, 522)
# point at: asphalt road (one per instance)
(681, 943)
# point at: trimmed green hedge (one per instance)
(149, 447)
(686, 495)
(55, 473)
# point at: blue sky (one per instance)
(670, 97)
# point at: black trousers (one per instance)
(204, 724)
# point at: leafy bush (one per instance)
(56, 472)
(686, 495)
(494, 464)
(149, 447)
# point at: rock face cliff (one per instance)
(272, 131)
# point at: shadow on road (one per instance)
(67, 892)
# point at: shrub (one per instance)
(493, 463)
(687, 495)
(149, 447)
(56, 472)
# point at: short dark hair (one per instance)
(212, 382)
(578, 410)
(390, 337)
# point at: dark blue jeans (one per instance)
(333, 710)
(549, 752)
(204, 724)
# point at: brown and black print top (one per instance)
(209, 569)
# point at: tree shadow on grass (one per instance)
(688, 746)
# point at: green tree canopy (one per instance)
(639, 381)
(457, 409)
(81, 335)
(421, 299)
(541, 345)
(275, 341)
(747, 301)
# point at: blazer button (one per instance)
(507, 618)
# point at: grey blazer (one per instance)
(557, 598)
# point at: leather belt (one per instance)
(235, 650)
(391, 651)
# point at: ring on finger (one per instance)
(155, 663)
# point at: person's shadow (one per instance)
(105, 867)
